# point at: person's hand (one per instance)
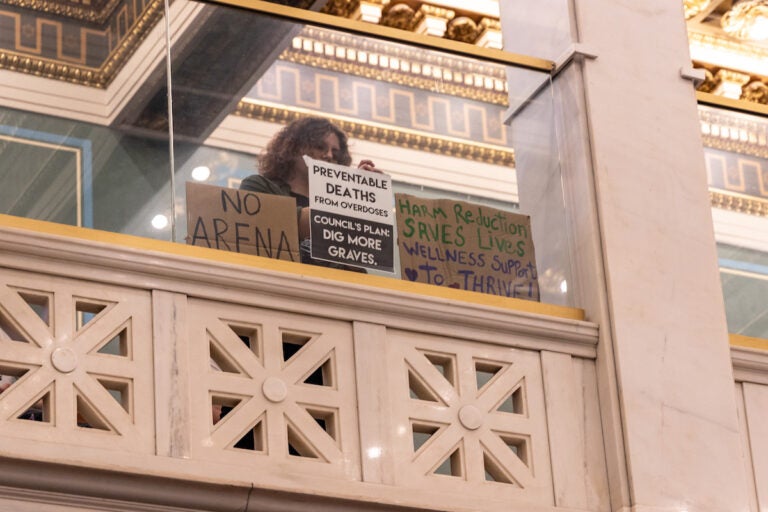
(367, 165)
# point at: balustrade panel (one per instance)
(443, 406)
(469, 417)
(273, 389)
(78, 356)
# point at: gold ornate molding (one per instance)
(92, 11)
(462, 25)
(384, 135)
(721, 81)
(694, 7)
(738, 134)
(737, 178)
(342, 8)
(401, 16)
(735, 145)
(84, 75)
(51, 69)
(416, 82)
(756, 92)
(745, 18)
(399, 64)
(728, 44)
(738, 203)
(462, 29)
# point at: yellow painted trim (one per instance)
(737, 340)
(149, 244)
(747, 107)
(392, 34)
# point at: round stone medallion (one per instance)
(471, 417)
(274, 389)
(64, 359)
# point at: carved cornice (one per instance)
(86, 75)
(735, 146)
(401, 16)
(408, 80)
(738, 134)
(390, 136)
(750, 364)
(730, 181)
(342, 8)
(149, 17)
(738, 203)
(462, 29)
(400, 65)
(694, 7)
(463, 25)
(94, 11)
(51, 69)
(730, 44)
(753, 88)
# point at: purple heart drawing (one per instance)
(411, 274)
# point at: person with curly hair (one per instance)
(282, 170)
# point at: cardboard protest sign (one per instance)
(467, 246)
(352, 220)
(242, 221)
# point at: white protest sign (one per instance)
(352, 219)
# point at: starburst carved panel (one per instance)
(469, 415)
(78, 358)
(274, 387)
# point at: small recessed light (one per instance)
(159, 221)
(201, 173)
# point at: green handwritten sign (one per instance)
(466, 246)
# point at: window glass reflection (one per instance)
(737, 167)
(432, 122)
(73, 78)
(744, 276)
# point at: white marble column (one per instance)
(641, 243)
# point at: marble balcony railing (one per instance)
(750, 370)
(176, 377)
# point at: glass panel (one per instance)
(76, 81)
(744, 275)
(736, 156)
(433, 121)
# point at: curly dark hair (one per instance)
(279, 159)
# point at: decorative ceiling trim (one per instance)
(92, 11)
(738, 203)
(419, 40)
(385, 135)
(747, 107)
(733, 84)
(730, 132)
(462, 25)
(741, 136)
(87, 75)
(735, 145)
(401, 65)
(694, 7)
(744, 20)
(708, 42)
